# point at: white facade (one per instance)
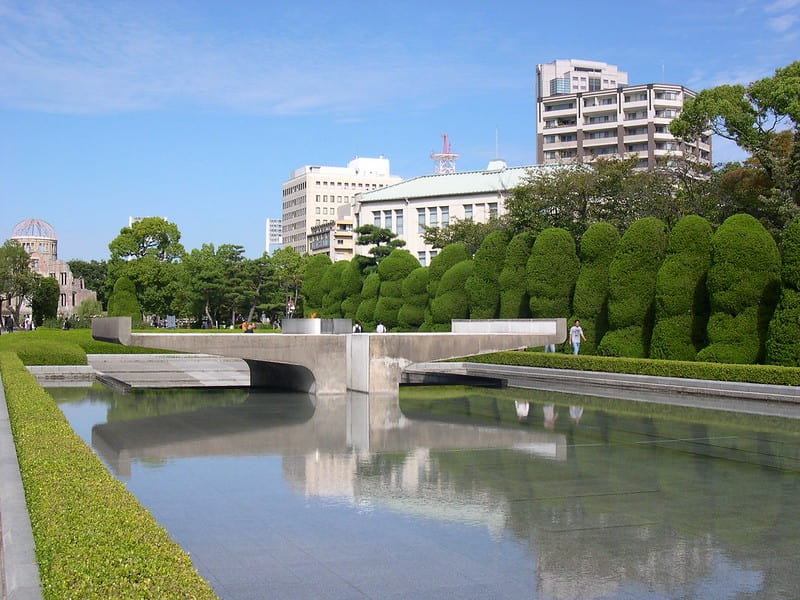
(435, 200)
(586, 110)
(273, 234)
(312, 195)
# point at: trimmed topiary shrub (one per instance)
(449, 256)
(351, 289)
(415, 299)
(632, 283)
(123, 302)
(743, 285)
(483, 291)
(451, 300)
(551, 272)
(369, 299)
(783, 336)
(513, 287)
(333, 290)
(681, 302)
(590, 301)
(93, 539)
(312, 289)
(392, 270)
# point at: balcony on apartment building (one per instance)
(596, 104)
(599, 121)
(560, 123)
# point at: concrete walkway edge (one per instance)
(20, 571)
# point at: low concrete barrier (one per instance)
(312, 326)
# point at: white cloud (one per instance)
(782, 5)
(782, 23)
(77, 58)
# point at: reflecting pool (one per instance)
(458, 492)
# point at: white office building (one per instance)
(586, 109)
(312, 194)
(273, 233)
(406, 208)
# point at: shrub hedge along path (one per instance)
(93, 539)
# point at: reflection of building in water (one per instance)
(321, 474)
(39, 240)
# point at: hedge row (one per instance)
(35, 350)
(93, 539)
(769, 374)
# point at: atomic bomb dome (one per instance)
(39, 240)
(35, 228)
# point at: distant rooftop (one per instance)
(497, 178)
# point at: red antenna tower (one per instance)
(444, 161)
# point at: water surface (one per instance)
(464, 493)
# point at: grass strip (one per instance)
(93, 539)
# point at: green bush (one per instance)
(332, 290)
(415, 299)
(743, 284)
(123, 302)
(312, 288)
(32, 349)
(551, 272)
(351, 289)
(774, 375)
(441, 263)
(783, 335)
(681, 302)
(512, 282)
(632, 282)
(483, 292)
(590, 301)
(392, 270)
(369, 299)
(93, 539)
(451, 300)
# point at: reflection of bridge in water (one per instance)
(296, 425)
(335, 363)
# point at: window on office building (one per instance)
(387, 220)
(376, 218)
(421, 258)
(398, 222)
(492, 210)
(445, 215)
(433, 217)
(420, 220)
(468, 211)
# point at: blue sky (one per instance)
(199, 110)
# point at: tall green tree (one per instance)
(147, 253)
(382, 242)
(123, 301)
(288, 266)
(17, 281)
(312, 290)
(415, 298)
(392, 271)
(465, 231)
(94, 274)
(202, 283)
(451, 300)
(44, 299)
(752, 116)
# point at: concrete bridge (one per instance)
(333, 363)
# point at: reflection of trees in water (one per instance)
(655, 501)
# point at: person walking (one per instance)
(381, 328)
(575, 336)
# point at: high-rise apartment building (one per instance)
(273, 233)
(312, 194)
(586, 109)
